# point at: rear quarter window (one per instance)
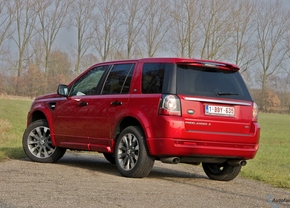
(211, 82)
(152, 77)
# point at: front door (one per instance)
(71, 114)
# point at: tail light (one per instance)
(255, 112)
(170, 105)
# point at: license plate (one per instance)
(219, 110)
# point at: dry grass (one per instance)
(5, 137)
(4, 125)
(14, 97)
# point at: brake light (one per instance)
(170, 105)
(255, 112)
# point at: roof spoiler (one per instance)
(212, 64)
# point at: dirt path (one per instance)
(86, 180)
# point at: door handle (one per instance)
(82, 103)
(116, 103)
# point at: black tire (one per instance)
(221, 172)
(110, 157)
(37, 144)
(131, 154)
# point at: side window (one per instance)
(119, 79)
(152, 77)
(88, 83)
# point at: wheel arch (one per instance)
(39, 115)
(36, 115)
(123, 123)
(134, 118)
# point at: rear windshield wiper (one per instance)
(226, 93)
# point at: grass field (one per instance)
(271, 164)
(12, 125)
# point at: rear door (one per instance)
(214, 100)
(110, 106)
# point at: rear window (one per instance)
(119, 79)
(211, 82)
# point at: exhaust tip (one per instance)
(237, 162)
(176, 160)
(243, 162)
(171, 160)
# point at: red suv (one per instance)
(138, 111)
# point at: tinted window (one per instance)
(119, 79)
(211, 82)
(152, 77)
(88, 83)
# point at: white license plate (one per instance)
(219, 110)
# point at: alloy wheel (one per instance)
(128, 151)
(39, 142)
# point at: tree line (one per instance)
(46, 42)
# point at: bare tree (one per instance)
(156, 25)
(6, 19)
(107, 22)
(243, 51)
(285, 66)
(252, 34)
(280, 84)
(51, 17)
(25, 14)
(185, 16)
(88, 60)
(32, 82)
(272, 101)
(216, 24)
(134, 18)
(82, 16)
(273, 25)
(60, 69)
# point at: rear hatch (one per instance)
(214, 98)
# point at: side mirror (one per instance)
(62, 90)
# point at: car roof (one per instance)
(190, 61)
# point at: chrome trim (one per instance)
(218, 101)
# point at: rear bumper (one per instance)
(178, 147)
(204, 144)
